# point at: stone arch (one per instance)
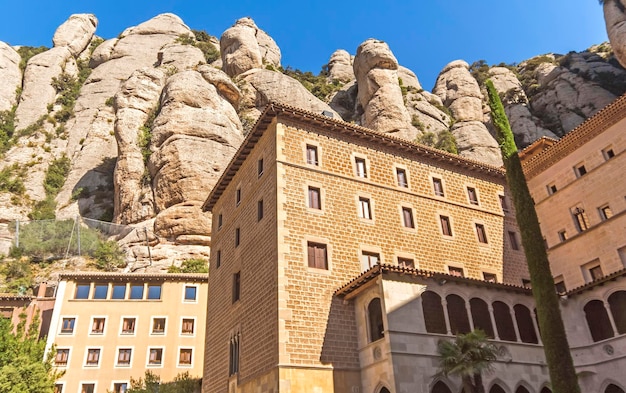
(617, 305)
(481, 316)
(504, 322)
(496, 389)
(598, 320)
(522, 389)
(433, 313)
(545, 389)
(498, 386)
(457, 314)
(375, 320)
(525, 324)
(440, 387)
(610, 386)
(384, 390)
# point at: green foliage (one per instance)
(445, 140)
(11, 180)
(109, 101)
(22, 365)
(144, 140)
(109, 256)
(415, 122)
(318, 85)
(26, 52)
(556, 348)
(201, 41)
(151, 383)
(33, 128)
(56, 174)
(7, 128)
(193, 265)
(528, 78)
(18, 276)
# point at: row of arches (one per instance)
(605, 319)
(441, 387)
(495, 319)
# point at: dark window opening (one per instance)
(481, 316)
(504, 322)
(434, 318)
(525, 324)
(457, 314)
(236, 286)
(317, 255)
(375, 317)
(598, 321)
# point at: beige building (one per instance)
(110, 327)
(12, 306)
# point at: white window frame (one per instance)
(152, 365)
(195, 327)
(90, 366)
(181, 365)
(152, 319)
(104, 328)
(117, 356)
(73, 333)
(185, 290)
(121, 331)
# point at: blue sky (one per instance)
(424, 35)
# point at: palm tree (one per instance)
(555, 346)
(468, 356)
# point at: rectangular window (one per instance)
(67, 325)
(361, 167)
(513, 240)
(88, 388)
(123, 356)
(237, 237)
(184, 358)
(233, 356)
(58, 388)
(154, 292)
(481, 233)
(580, 170)
(136, 291)
(401, 177)
(190, 293)
(560, 286)
(220, 221)
(119, 292)
(218, 259)
(472, 195)
(526, 283)
(580, 219)
(259, 167)
(128, 325)
(562, 235)
(446, 228)
(608, 153)
(503, 203)
(456, 271)
(156, 356)
(605, 212)
(120, 387)
(187, 326)
(365, 210)
(97, 326)
(311, 155)
(93, 357)
(236, 287)
(369, 259)
(551, 188)
(100, 291)
(317, 255)
(438, 186)
(315, 199)
(406, 262)
(595, 272)
(259, 210)
(238, 197)
(61, 357)
(158, 325)
(490, 277)
(82, 291)
(407, 217)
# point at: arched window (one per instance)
(521, 389)
(434, 318)
(457, 315)
(481, 316)
(598, 320)
(504, 322)
(613, 389)
(496, 389)
(375, 316)
(525, 324)
(441, 387)
(546, 390)
(617, 301)
(384, 390)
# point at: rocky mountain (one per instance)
(141, 126)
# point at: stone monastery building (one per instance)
(341, 256)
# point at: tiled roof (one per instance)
(274, 109)
(598, 282)
(135, 276)
(13, 296)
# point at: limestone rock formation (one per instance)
(178, 57)
(615, 20)
(76, 32)
(460, 92)
(10, 75)
(244, 47)
(340, 66)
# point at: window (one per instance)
(128, 325)
(154, 292)
(190, 293)
(490, 277)
(100, 291)
(598, 320)
(401, 177)
(446, 228)
(259, 167)
(563, 235)
(238, 197)
(595, 272)
(120, 387)
(58, 388)
(525, 324)
(155, 357)
(580, 170)
(119, 292)
(580, 219)
(526, 283)
(82, 291)
(187, 326)
(237, 237)
(472, 195)
(503, 203)
(184, 357)
(407, 217)
(311, 155)
(605, 212)
(61, 357)
(220, 221)
(432, 309)
(551, 188)
(259, 210)
(233, 358)
(67, 325)
(123, 356)
(158, 325)
(365, 210)
(608, 153)
(457, 314)
(406, 262)
(218, 259)
(88, 388)
(97, 326)
(93, 357)
(481, 316)
(481, 233)
(136, 291)
(438, 186)
(375, 319)
(317, 256)
(513, 240)
(315, 201)
(361, 167)
(456, 271)
(559, 285)
(369, 259)
(236, 286)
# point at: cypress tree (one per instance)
(556, 348)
